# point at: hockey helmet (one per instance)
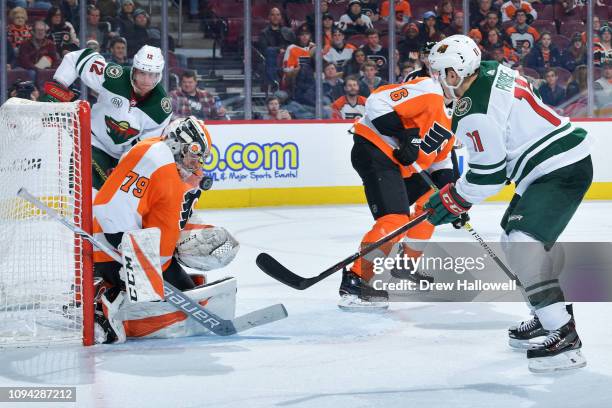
(189, 141)
(458, 52)
(148, 59)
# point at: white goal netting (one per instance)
(45, 148)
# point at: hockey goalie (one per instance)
(145, 211)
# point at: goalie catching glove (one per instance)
(205, 247)
(446, 205)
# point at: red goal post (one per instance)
(46, 272)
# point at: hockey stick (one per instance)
(276, 270)
(175, 297)
(468, 227)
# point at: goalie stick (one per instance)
(468, 227)
(276, 270)
(173, 296)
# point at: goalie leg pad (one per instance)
(206, 247)
(161, 320)
(142, 272)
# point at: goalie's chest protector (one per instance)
(145, 190)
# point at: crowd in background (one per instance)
(548, 47)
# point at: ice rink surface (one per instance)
(415, 355)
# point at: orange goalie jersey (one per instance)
(420, 104)
(145, 190)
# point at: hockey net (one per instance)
(46, 288)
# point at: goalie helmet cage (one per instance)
(46, 272)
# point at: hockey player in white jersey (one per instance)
(512, 136)
(132, 104)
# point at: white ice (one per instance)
(415, 355)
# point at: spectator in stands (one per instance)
(509, 9)
(596, 28)
(495, 40)
(475, 35)
(355, 64)
(297, 55)
(39, 52)
(351, 105)
(138, 35)
(332, 84)
(521, 32)
(411, 44)
(274, 110)
(603, 89)
(310, 18)
(10, 55)
(575, 55)
(96, 30)
(125, 20)
(403, 13)
(552, 94)
(429, 29)
(340, 52)
(118, 52)
(376, 52)
(456, 26)
(295, 109)
(445, 10)
(544, 55)
(274, 39)
(60, 30)
(108, 9)
(328, 28)
(498, 54)
(478, 15)
(490, 23)
(191, 100)
(370, 9)
(603, 48)
(577, 87)
(407, 68)
(370, 80)
(18, 29)
(354, 21)
(70, 11)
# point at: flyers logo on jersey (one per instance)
(119, 132)
(187, 207)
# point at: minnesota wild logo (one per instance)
(120, 132)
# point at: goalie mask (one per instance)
(190, 143)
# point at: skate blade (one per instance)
(565, 361)
(517, 344)
(352, 303)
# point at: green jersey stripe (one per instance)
(85, 53)
(534, 146)
(497, 178)
(486, 166)
(85, 62)
(560, 146)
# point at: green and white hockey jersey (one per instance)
(510, 134)
(118, 118)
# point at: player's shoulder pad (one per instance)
(425, 85)
(117, 80)
(158, 106)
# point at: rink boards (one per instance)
(268, 163)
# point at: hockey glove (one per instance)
(461, 221)
(409, 142)
(56, 92)
(446, 205)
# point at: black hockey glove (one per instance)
(461, 221)
(409, 142)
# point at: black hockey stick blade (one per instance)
(277, 271)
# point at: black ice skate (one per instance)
(530, 333)
(356, 294)
(559, 351)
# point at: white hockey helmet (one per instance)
(458, 52)
(189, 141)
(148, 59)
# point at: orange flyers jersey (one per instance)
(295, 56)
(420, 104)
(145, 190)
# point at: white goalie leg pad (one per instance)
(206, 247)
(161, 320)
(142, 272)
